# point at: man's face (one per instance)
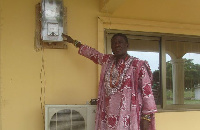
(119, 46)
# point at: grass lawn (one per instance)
(188, 96)
(186, 102)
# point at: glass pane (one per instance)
(149, 51)
(183, 71)
(192, 78)
(169, 85)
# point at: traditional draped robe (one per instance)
(124, 92)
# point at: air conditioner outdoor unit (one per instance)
(70, 117)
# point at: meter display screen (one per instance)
(52, 29)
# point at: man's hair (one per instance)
(120, 34)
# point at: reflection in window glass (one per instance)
(182, 72)
(192, 78)
(169, 85)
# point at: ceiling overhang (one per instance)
(109, 6)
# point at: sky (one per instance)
(153, 58)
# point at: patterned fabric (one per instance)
(124, 91)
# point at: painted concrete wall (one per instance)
(70, 78)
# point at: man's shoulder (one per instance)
(136, 61)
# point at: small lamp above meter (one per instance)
(52, 20)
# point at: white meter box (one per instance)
(52, 20)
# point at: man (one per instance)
(125, 99)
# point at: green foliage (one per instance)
(191, 78)
(191, 72)
(169, 94)
(169, 75)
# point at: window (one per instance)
(174, 63)
(182, 70)
(192, 78)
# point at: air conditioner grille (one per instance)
(67, 119)
(70, 117)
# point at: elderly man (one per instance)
(125, 99)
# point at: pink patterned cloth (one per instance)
(124, 91)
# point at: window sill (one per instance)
(178, 108)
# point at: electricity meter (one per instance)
(52, 20)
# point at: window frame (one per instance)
(163, 38)
(152, 27)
